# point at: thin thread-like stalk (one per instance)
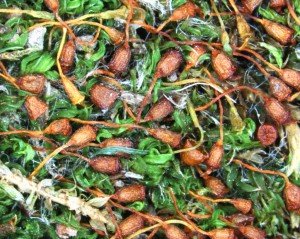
(119, 232)
(292, 12)
(152, 234)
(77, 155)
(161, 224)
(253, 61)
(145, 100)
(75, 96)
(70, 31)
(10, 80)
(162, 25)
(260, 58)
(129, 17)
(179, 212)
(3, 68)
(21, 132)
(210, 199)
(198, 216)
(45, 160)
(50, 37)
(111, 125)
(201, 138)
(286, 179)
(227, 92)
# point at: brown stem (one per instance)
(45, 160)
(198, 216)
(210, 199)
(229, 91)
(129, 17)
(261, 58)
(286, 179)
(152, 234)
(119, 233)
(259, 66)
(145, 100)
(179, 212)
(292, 12)
(70, 31)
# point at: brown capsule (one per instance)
(192, 157)
(242, 205)
(106, 164)
(131, 224)
(240, 219)
(215, 155)
(130, 193)
(222, 65)
(53, 5)
(32, 83)
(224, 233)
(277, 4)
(166, 136)
(83, 135)
(250, 5)
(61, 126)
(291, 196)
(120, 59)
(277, 111)
(35, 107)
(279, 89)
(194, 56)
(251, 232)
(7, 228)
(173, 232)
(183, 12)
(74, 94)
(279, 32)
(267, 134)
(216, 186)
(160, 110)
(103, 96)
(169, 63)
(291, 78)
(67, 56)
(118, 142)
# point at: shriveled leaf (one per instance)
(17, 55)
(98, 202)
(237, 123)
(293, 137)
(12, 192)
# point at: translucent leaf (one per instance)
(98, 202)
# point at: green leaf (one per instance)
(37, 63)
(275, 52)
(22, 150)
(272, 15)
(246, 187)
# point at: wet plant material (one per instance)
(149, 119)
